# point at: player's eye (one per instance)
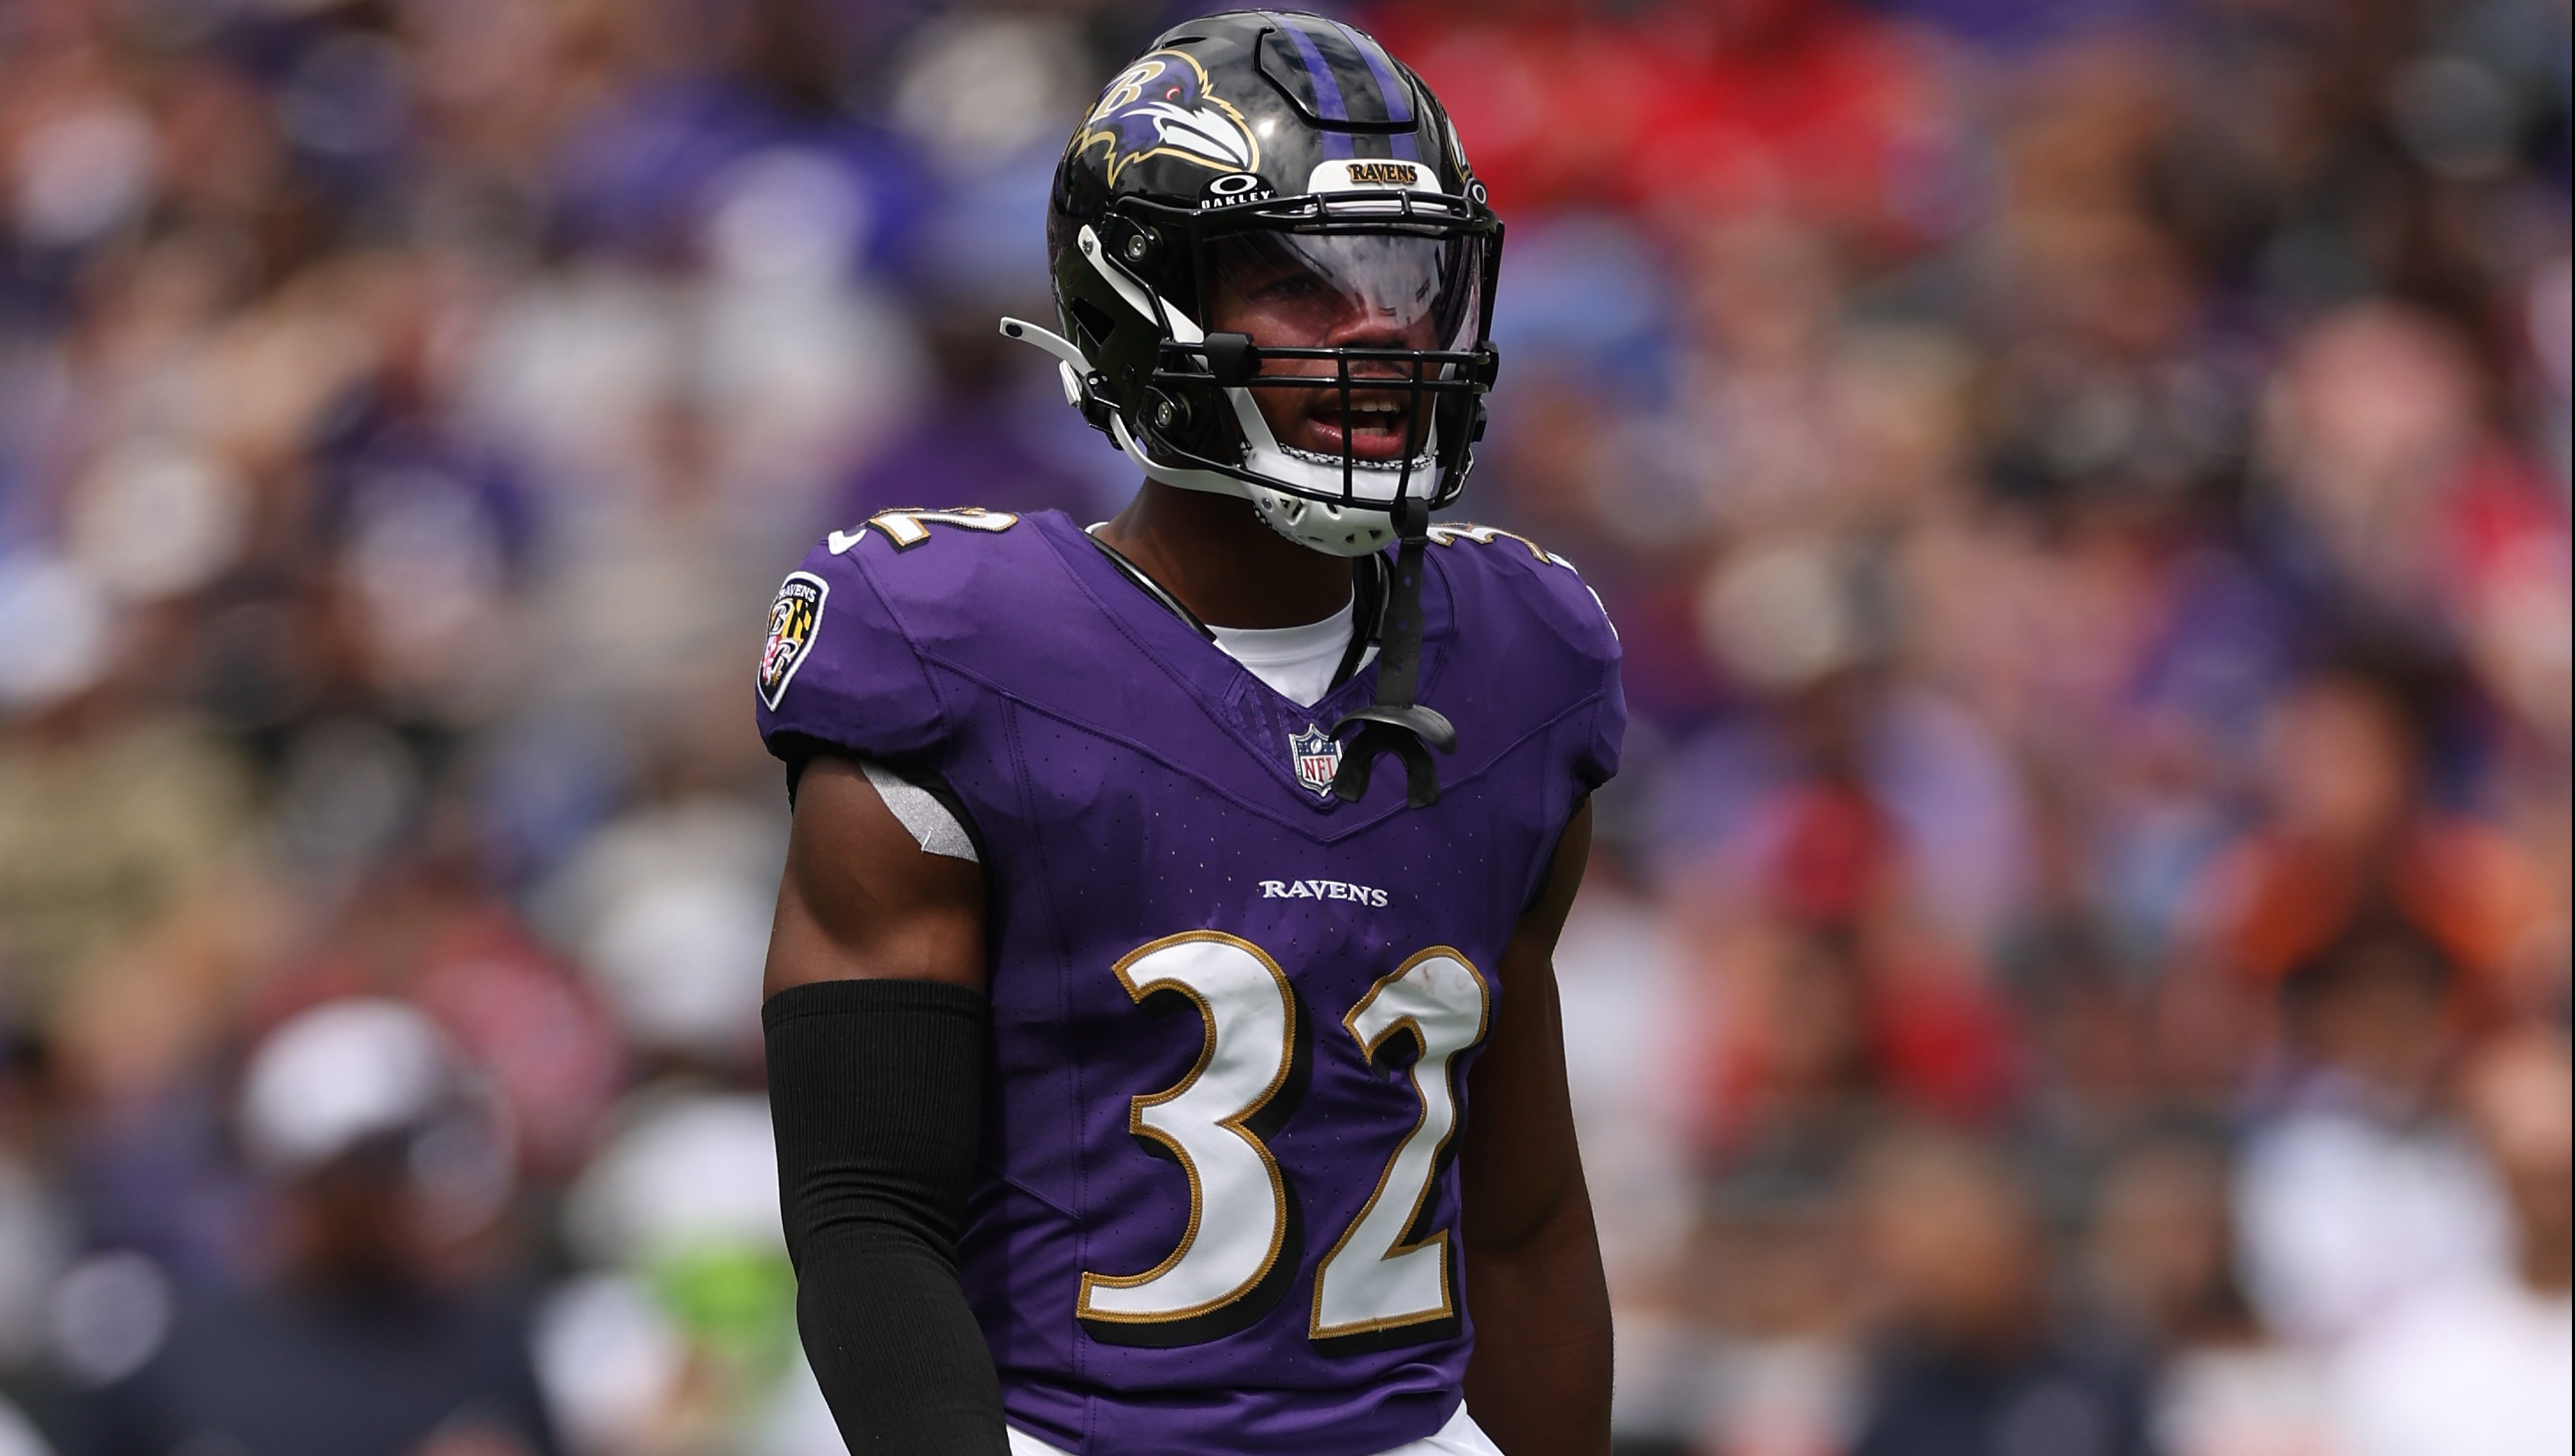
(1288, 288)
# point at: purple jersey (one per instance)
(1233, 1016)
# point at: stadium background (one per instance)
(2077, 961)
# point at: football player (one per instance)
(1122, 1024)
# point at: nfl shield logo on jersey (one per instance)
(1317, 757)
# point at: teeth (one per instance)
(1421, 463)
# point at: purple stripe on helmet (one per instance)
(1328, 92)
(1390, 87)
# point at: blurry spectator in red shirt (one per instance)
(1844, 995)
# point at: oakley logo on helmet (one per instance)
(1236, 189)
(1162, 106)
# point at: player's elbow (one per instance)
(1540, 1224)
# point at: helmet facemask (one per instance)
(1361, 319)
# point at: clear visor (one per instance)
(1346, 289)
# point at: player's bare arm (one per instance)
(1539, 1377)
(863, 901)
(875, 1015)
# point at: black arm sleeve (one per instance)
(877, 1089)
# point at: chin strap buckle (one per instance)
(1394, 723)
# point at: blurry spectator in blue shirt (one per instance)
(1973, 1362)
(369, 1339)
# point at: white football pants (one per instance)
(1461, 1437)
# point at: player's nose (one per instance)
(1364, 327)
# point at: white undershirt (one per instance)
(1296, 661)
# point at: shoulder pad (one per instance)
(840, 666)
(1486, 558)
(941, 572)
(906, 528)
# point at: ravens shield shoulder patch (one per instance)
(794, 620)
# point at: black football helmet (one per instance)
(1273, 150)
(1283, 167)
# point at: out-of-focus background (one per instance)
(2076, 963)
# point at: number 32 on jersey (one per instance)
(1242, 1245)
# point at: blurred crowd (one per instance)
(2076, 963)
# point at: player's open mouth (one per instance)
(1371, 428)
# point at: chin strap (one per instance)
(1394, 723)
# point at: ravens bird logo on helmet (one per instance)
(1163, 106)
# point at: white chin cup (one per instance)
(1352, 530)
(1336, 530)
